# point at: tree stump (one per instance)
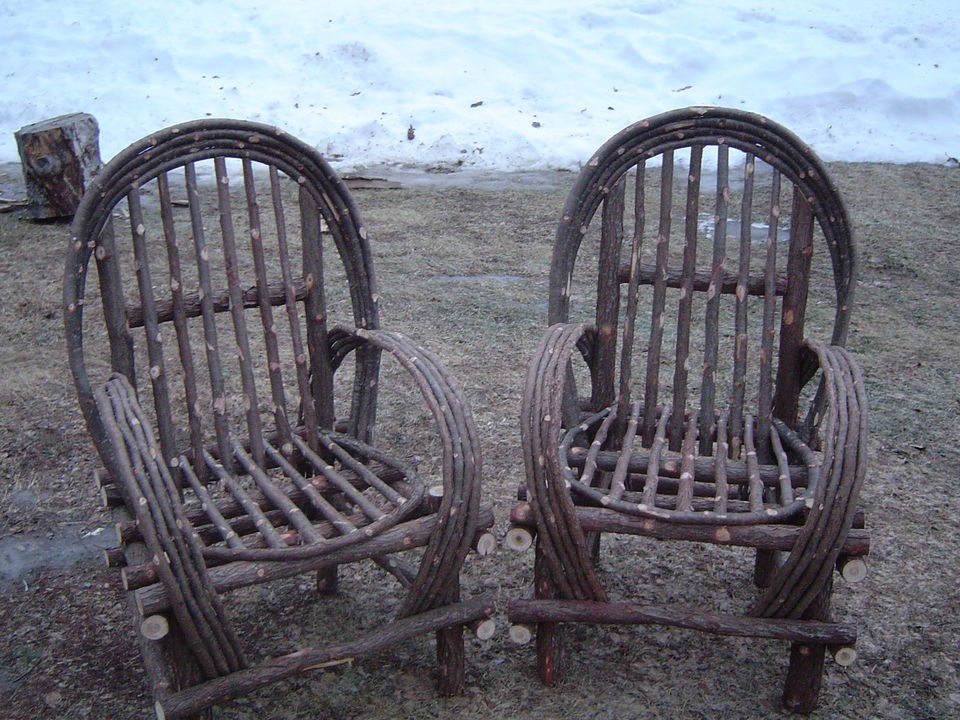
(59, 157)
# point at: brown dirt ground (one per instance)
(462, 267)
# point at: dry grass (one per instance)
(463, 269)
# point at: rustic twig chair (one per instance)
(738, 429)
(210, 374)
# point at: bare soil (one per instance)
(462, 267)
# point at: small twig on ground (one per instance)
(9, 204)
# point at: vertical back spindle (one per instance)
(685, 305)
(740, 348)
(633, 291)
(608, 296)
(151, 327)
(180, 319)
(708, 387)
(266, 310)
(114, 311)
(765, 382)
(794, 307)
(308, 409)
(230, 261)
(659, 299)
(210, 340)
(316, 307)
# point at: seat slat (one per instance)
(786, 486)
(362, 471)
(340, 522)
(720, 456)
(249, 505)
(619, 481)
(292, 514)
(755, 485)
(653, 468)
(685, 486)
(337, 480)
(596, 445)
(210, 510)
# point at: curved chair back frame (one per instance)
(323, 201)
(815, 203)
(748, 132)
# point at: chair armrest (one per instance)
(841, 416)
(560, 537)
(459, 508)
(151, 495)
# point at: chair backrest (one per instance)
(710, 222)
(215, 291)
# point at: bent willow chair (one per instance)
(701, 410)
(235, 417)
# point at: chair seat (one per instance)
(304, 497)
(731, 486)
(309, 501)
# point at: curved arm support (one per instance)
(560, 538)
(149, 492)
(843, 433)
(437, 581)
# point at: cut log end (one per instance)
(434, 497)
(518, 539)
(845, 656)
(485, 544)
(154, 627)
(114, 557)
(854, 570)
(521, 634)
(485, 629)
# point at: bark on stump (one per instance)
(59, 157)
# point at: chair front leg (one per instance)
(549, 642)
(451, 663)
(801, 692)
(328, 581)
